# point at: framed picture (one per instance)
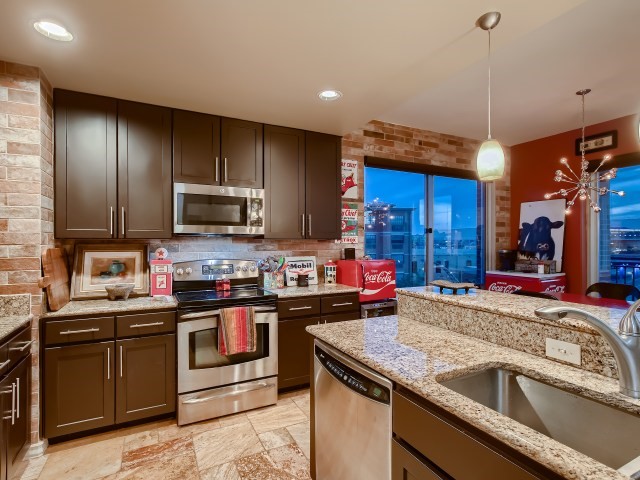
(598, 143)
(95, 266)
(541, 233)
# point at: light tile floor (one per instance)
(270, 443)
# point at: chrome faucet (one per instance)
(625, 342)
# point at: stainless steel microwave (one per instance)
(210, 209)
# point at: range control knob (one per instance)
(237, 269)
(188, 271)
(252, 268)
(179, 271)
(244, 269)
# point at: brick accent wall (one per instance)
(26, 193)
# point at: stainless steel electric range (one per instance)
(209, 384)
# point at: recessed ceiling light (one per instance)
(53, 31)
(329, 95)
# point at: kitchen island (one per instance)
(417, 356)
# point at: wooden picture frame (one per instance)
(95, 266)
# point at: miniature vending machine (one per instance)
(161, 274)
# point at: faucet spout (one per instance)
(625, 342)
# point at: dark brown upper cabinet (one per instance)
(241, 153)
(196, 148)
(112, 168)
(85, 165)
(284, 180)
(144, 171)
(302, 183)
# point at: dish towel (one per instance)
(237, 332)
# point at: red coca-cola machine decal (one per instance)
(505, 283)
(376, 279)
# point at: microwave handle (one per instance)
(212, 313)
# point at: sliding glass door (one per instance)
(431, 226)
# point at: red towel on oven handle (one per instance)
(237, 331)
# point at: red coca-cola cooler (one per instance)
(376, 279)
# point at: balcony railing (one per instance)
(625, 269)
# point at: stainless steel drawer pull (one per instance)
(18, 397)
(307, 307)
(142, 325)
(120, 361)
(13, 403)
(343, 304)
(22, 348)
(109, 363)
(259, 386)
(86, 330)
(4, 364)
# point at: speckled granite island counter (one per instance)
(14, 314)
(91, 307)
(417, 355)
(311, 290)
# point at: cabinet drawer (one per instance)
(445, 444)
(19, 347)
(145, 324)
(300, 307)
(340, 303)
(406, 465)
(81, 330)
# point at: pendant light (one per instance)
(490, 159)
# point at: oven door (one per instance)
(212, 209)
(200, 365)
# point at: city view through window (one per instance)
(431, 226)
(619, 235)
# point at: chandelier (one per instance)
(582, 186)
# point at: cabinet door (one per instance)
(406, 466)
(283, 182)
(323, 197)
(340, 317)
(241, 153)
(196, 148)
(7, 404)
(293, 351)
(144, 171)
(19, 423)
(78, 388)
(146, 377)
(85, 165)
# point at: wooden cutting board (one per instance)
(56, 277)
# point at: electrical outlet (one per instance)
(565, 351)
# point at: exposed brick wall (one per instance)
(26, 193)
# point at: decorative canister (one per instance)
(279, 279)
(330, 272)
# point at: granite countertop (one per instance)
(11, 323)
(320, 289)
(518, 306)
(416, 355)
(89, 307)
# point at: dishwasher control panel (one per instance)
(352, 379)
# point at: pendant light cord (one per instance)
(582, 145)
(489, 96)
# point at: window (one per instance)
(431, 226)
(618, 255)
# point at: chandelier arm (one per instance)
(574, 197)
(571, 170)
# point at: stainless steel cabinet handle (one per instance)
(225, 169)
(343, 304)
(142, 325)
(4, 364)
(120, 361)
(122, 221)
(217, 168)
(309, 226)
(22, 348)
(260, 386)
(13, 403)
(108, 363)
(303, 226)
(18, 397)
(213, 313)
(86, 330)
(111, 221)
(307, 307)
(325, 321)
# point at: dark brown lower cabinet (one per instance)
(408, 466)
(146, 380)
(79, 386)
(15, 389)
(293, 351)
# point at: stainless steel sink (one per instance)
(602, 432)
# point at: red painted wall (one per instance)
(532, 170)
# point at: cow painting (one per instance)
(535, 239)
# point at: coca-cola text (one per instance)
(503, 287)
(381, 277)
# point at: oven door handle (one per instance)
(259, 386)
(212, 313)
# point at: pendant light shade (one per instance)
(490, 158)
(490, 161)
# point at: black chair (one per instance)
(617, 291)
(528, 293)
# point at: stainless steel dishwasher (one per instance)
(352, 418)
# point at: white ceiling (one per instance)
(414, 62)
